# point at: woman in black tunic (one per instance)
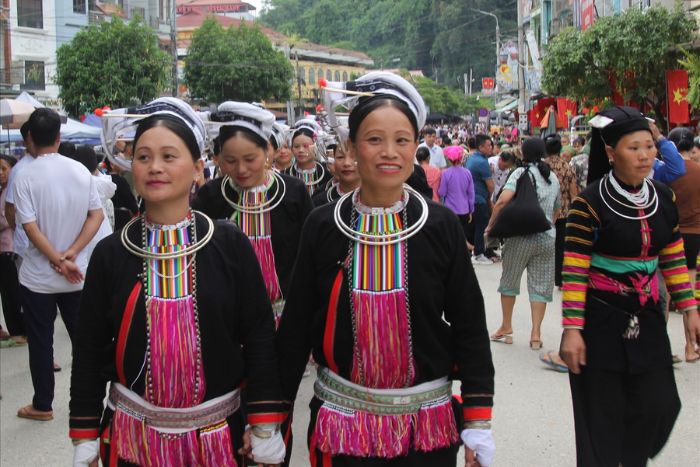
(175, 317)
(386, 359)
(306, 166)
(620, 230)
(268, 206)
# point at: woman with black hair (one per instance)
(175, 317)
(534, 253)
(9, 282)
(346, 177)
(621, 229)
(302, 140)
(386, 357)
(270, 207)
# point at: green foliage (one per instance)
(633, 50)
(113, 63)
(443, 37)
(235, 64)
(441, 98)
(692, 64)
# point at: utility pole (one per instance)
(301, 107)
(522, 103)
(498, 52)
(173, 43)
(466, 84)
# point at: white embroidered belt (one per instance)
(169, 419)
(332, 388)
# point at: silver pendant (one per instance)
(632, 330)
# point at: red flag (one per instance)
(677, 96)
(566, 109)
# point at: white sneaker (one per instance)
(481, 259)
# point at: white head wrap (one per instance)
(116, 128)
(376, 83)
(279, 134)
(244, 115)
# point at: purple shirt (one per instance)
(457, 189)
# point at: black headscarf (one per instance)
(624, 120)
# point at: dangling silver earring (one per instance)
(610, 161)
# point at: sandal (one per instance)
(546, 358)
(693, 358)
(30, 413)
(56, 367)
(536, 345)
(505, 338)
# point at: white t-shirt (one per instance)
(437, 158)
(55, 192)
(19, 238)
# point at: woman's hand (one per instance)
(247, 449)
(573, 350)
(470, 458)
(692, 327)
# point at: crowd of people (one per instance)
(203, 262)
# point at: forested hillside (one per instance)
(443, 37)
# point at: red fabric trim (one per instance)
(84, 433)
(104, 441)
(327, 460)
(312, 452)
(113, 457)
(329, 333)
(124, 330)
(477, 413)
(258, 418)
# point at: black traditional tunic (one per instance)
(235, 323)
(625, 399)
(286, 219)
(315, 180)
(447, 322)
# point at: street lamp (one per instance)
(498, 46)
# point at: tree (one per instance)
(692, 64)
(440, 37)
(235, 64)
(441, 98)
(626, 54)
(113, 63)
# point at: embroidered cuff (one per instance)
(84, 433)
(275, 418)
(474, 414)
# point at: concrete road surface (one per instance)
(533, 423)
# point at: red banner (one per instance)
(677, 96)
(566, 109)
(587, 14)
(488, 83)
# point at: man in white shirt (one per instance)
(437, 158)
(57, 204)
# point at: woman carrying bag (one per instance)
(523, 215)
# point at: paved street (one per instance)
(533, 422)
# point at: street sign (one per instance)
(522, 121)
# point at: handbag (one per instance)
(523, 215)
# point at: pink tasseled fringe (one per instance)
(142, 445)
(216, 447)
(361, 434)
(382, 338)
(266, 257)
(174, 353)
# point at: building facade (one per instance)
(34, 30)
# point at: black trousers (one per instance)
(39, 317)
(560, 228)
(9, 293)
(621, 418)
(480, 219)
